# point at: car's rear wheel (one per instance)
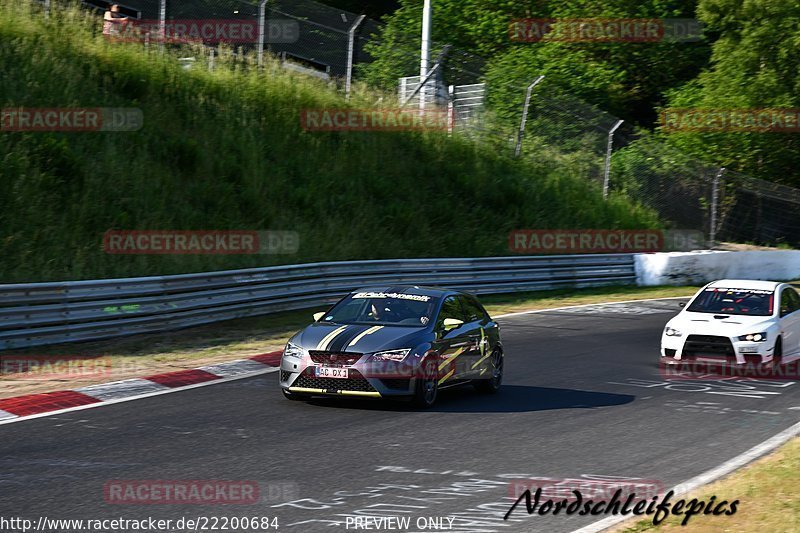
(427, 386)
(295, 396)
(492, 384)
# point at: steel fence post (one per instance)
(712, 230)
(521, 132)
(451, 109)
(162, 23)
(46, 9)
(351, 42)
(262, 15)
(607, 170)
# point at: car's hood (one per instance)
(731, 325)
(357, 338)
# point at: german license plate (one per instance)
(331, 372)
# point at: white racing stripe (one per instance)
(328, 339)
(369, 331)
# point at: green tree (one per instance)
(753, 65)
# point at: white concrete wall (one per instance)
(697, 268)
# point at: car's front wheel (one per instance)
(777, 353)
(492, 384)
(427, 387)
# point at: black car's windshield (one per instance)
(381, 308)
(750, 302)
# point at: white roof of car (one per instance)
(745, 284)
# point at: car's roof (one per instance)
(746, 284)
(435, 292)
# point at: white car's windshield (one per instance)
(731, 301)
(379, 308)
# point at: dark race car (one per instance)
(395, 342)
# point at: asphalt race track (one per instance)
(582, 399)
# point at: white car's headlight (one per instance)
(391, 355)
(292, 350)
(754, 337)
(672, 332)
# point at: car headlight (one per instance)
(292, 350)
(754, 337)
(391, 355)
(672, 332)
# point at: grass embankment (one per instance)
(767, 494)
(225, 150)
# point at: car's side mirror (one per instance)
(318, 316)
(452, 323)
(682, 305)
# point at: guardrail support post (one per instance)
(712, 230)
(521, 132)
(607, 170)
(351, 44)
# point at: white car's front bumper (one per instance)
(710, 348)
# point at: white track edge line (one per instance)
(709, 476)
(101, 403)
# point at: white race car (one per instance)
(736, 322)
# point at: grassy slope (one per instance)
(225, 150)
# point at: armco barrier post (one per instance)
(521, 132)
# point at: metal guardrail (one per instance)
(34, 314)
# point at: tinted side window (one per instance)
(787, 301)
(794, 300)
(472, 309)
(450, 309)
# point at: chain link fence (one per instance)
(531, 119)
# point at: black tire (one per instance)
(295, 396)
(427, 385)
(492, 385)
(777, 353)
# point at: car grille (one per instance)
(285, 375)
(334, 358)
(356, 382)
(708, 346)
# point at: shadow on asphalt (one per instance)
(510, 399)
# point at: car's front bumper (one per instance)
(717, 349)
(366, 378)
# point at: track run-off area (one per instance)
(582, 399)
